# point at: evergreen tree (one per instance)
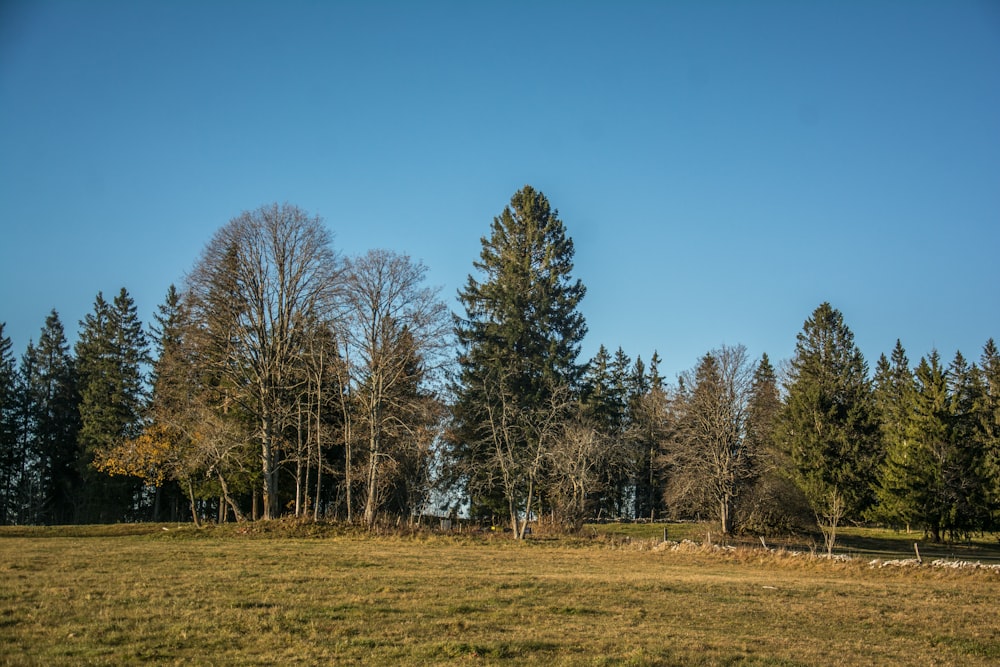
(989, 416)
(928, 431)
(519, 342)
(894, 395)
(10, 459)
(966, 486)
(773, 504)
(601, 407)
(828, 429)
(112, 357)
(596, 389)
(934, 477)
(53, 402)
(609, 386)
(25, 499)
(765, 405)
(648, 431)
(160, 455)
(622, 389)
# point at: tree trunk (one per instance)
(319, 461)
(369, 516)
(229, 501)
(194, 508)
(267, 468)
(725, 516)
(298, 463)
(156, 503)
(527, 510)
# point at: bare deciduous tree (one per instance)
(396, 330)
(259, 282)
(580, 459)
(520, 443)
(710, 458)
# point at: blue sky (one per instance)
(723, 167)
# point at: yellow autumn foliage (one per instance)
(147, 456)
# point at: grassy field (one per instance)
(229, 595)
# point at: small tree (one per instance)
(580, 462)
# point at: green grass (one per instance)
(295, 594)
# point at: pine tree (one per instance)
(894, 395)
(627, 381)
(648, 431)
(989, 417)
(24, 506)
(765, 405)
(929, 433)
(596, 389)
(773, 503)
(112, 356)
(53, 402)
(828, 429)
(519, 342)
(601, 407)
(966, 487)
(10, 460)
(159, 453)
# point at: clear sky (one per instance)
(723, 167)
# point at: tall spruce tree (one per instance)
(519, 342)
(112, 358)
(828, 427)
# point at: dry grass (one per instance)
(113, 596)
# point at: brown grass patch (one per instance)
(222, 597)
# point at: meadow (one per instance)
(264, 594)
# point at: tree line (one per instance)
(285, 379)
